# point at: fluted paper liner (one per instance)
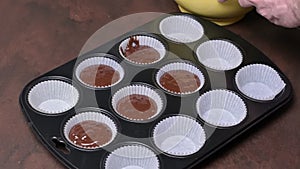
(99, 61)
(221, 108)
(259, 82)
(53, 97)
(219, 55)
(182, 29)
(132, 157)
(179, 136)
(180, 66)
(145, 41)
(93, 116)
(141, 90)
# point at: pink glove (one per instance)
(280, 12)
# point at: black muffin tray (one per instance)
(49, 128)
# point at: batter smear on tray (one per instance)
(99, 75)
(139, 53)
(90, 134)
(136, 106)
(180, 81)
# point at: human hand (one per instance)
(280, 12)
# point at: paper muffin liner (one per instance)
(53, 97)
(259, 82)
(179, 136)
(182, 29)
(141, 90)
(145, 41)
(219, 55)
(180, 66)
(99, 61)
(93, 116)
(132, 157)
(221, 108)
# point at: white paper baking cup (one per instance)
(93, 116)
(132, 157)
(219, 55)
(99, 61)
(259, 81)
(221, 108)
(180, 66)
(179, 136)
(141, 90)
(144, 41)
(182, 29)
(53, 97)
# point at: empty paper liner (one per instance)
(221, 108)
(219, 55)
(179, 136)
(53, 97)
(259, 81)
(181, 29)
(132, 157)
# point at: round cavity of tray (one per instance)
(99, 72)
(90, 130)
(180, 78)
(182, 29)
(137, 103)
(259, 82)
(53, 96)
(219, 55)
(179, 136)
(221, 108)
(132, 157)
(142, 49)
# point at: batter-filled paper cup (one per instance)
(179, 136)
(180, 78)
(137, 103)
(99, 72)
(53, 97)
(219, 55)
(221, 108)
(259, 82)
(132, 157)
(142, 49)
(182, 29)
(90, 130)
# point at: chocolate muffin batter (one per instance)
(135, 106)
(180, 81)
(99, 75)
(140, 53)
(89, 134)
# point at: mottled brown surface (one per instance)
(38, 35)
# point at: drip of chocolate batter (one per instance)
(139, 53)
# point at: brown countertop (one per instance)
(38, 35)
